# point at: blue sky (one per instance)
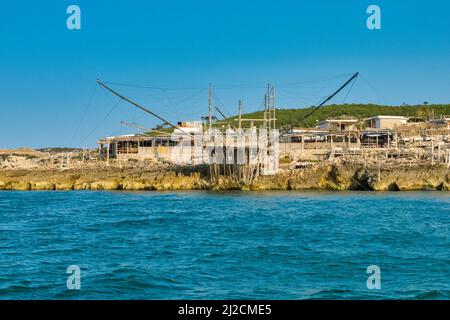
(305, 48)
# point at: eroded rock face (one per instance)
(20, 185)
(413, 178)
(326, 176)
(42, 185)
(105, 185)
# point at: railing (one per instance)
(129, 150)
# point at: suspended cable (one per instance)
(139, 106)
(100, 123)
(350, 89)
(324, 79)
(373, 88)
(88, 105)
(226, 86)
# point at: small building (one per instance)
(443, 122)
(375, 138)
(136, 146)
(305, 134)
(386, 122)
(147, 146)
(191, 127)
(339, 125)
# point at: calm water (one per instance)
(200, 245)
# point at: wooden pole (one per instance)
(432, 151)
(379, 171)
(448, 159)
(273, 108)
(107, 153)
(138, 106)
(439, 152)
(240, 114)
(396, 140)
(210, 107)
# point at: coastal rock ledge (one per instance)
(324, 176)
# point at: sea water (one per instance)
(230, 245)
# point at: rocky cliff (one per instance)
(324, 176)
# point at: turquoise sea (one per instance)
(231, 245)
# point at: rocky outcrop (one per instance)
(326, 176)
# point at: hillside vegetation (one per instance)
(293, 117)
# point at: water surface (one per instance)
(233, 245)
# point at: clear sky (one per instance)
(306, 48)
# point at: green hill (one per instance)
(293, 117)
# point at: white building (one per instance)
(338, 124)
(386, 122)
(189, 127)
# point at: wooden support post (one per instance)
(439, 152)
(67, 160)
(357, 140)
(432, 152)
(396, 140)
(210, 107)
(294, 157)
(379, 171)
(107, 153)
(448, 158)
(240, 114)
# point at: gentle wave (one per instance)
(231, 245)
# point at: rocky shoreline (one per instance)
(321, 176)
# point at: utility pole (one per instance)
(210, 108)
(273, 107)
(240, 114)
(107, 153)
(267, 108)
